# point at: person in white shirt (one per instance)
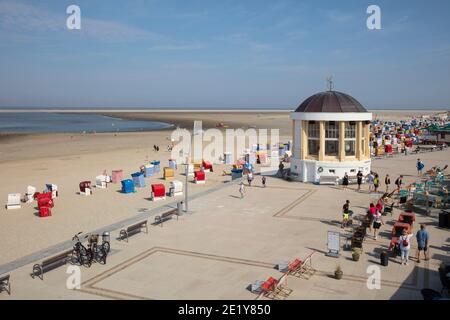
(241, 190)
(405, 246)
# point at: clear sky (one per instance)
(223, 53)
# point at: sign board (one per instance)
(334, 243)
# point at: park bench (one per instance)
(328, 180)
(160, 219)
(133, 229)
(5, 284)
(50, 264)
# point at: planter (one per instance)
(338, 275)
(355, 256)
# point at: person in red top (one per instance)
(379, 205)
(372, 213)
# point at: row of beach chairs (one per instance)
(277, 288)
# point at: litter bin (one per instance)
(443, 219)
(180, 208)
(384, 259)
(106, 237)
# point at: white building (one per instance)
(331, 133)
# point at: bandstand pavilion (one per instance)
(330, 137)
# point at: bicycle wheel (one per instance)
(86, 259)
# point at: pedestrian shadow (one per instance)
(237, 197)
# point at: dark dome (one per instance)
(331, 101)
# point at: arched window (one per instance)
(331, 138)
(313, 138)
(350, 138)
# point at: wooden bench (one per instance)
(160, 219)
(133, 229)
(328, 180)
(5, 284)
(50, 263)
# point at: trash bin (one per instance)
(180, 208)
(443, 219)
(384, 259)
(106, 236)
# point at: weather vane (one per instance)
(330, 83)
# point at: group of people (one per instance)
(375, 214)
(249, 180)
(374, 181)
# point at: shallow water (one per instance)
(43, 122)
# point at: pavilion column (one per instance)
(367, 135)
(294, 129)
(359, 129)
(322, 141)
(304, 140)
(341, 140)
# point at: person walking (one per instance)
(359, 178)
(345, 181)
(422, 242)
(241, 190)
(405, 246)
(249, 178)
(420, 167)
(345, 214)
(387, 182)
(371, 213)
(399, 183)
(370, 180)
(377, 222)
(376, 182)
(263, 180)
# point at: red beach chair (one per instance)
(158, 192)
(45, 212)
(199, 177)
(207, 166)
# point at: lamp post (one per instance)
(186, 187)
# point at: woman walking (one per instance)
(377, 222)
(371, 213)
(345, 181)
(376, 182)
(387, 182)
(405, 246)
(242, 190)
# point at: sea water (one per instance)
(46, 122)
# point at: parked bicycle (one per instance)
(80, 254)
(98, 252)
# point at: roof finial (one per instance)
(330, 83)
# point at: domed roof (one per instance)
(330, 101)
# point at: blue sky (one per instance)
(227, 53)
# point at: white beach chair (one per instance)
(100, 181)
(29, 194)
(13, 201)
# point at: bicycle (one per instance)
(98, 252)
(80, 254)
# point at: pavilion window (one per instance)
(331, 138)
(350, 138)
(313, 138)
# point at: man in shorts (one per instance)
(345, 214)
(422, 242)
